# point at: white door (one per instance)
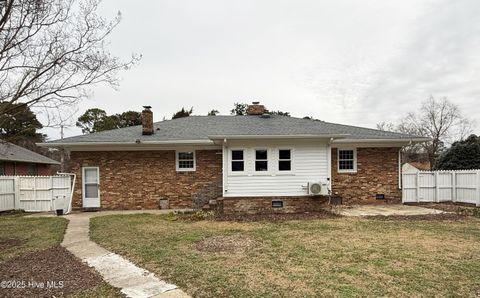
(91, 187)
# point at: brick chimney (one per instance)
(147, 121)
(255, 109)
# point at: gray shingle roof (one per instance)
(11, 152)
(204, 127)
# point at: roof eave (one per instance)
(53, 162)
(295, 136)
(406, 140)
(133, 143)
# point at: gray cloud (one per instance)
(355, 62)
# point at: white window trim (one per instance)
(354, 160)
(185, 169)
(269, 162)
(291, 160)
(230, 160)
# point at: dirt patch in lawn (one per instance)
(441, 216)
(53, 272)
(227, 244)
(275, 217)
(9, 243)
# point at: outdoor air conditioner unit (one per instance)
(317, 188)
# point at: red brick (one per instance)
(138, 179)
(377, 173)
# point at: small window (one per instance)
(186, 161)
(284, 160)
(238, 163)
(261, 160)
(347, 160)
(32, 170)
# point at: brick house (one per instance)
(16, 160)
(246, 164)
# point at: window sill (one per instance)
(260, 174)
(284, 174)
(186, 170)
(238, 174)
(346, 172)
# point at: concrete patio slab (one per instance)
(384, 210)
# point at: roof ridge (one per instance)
(201, 126)
(375, 129)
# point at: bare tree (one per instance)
(386, 126)
(440, 120)
(51, 51)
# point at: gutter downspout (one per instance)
(224, 166)
(329, 164)
(69, 208)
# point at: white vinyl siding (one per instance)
(309, 163)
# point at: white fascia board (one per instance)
(133, 146)
(378, 142)
(304, 136)
(168, 142)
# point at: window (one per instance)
(238, 163)
(2, 168)
(284, 160)
(185, 161)
(261, 160)
(347, 160)
(32, 170)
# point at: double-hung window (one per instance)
(238, 162)
(347, 160)
(185, 160)
(284, 160)
(261, 160)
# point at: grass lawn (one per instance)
(24, 242)
(311, 258)
(29, 234)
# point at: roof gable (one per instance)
(14, 153)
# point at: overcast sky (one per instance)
(345, 61)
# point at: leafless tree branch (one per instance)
(52, 51)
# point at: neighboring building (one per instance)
(414, 166)
(16, 160)
(253, 163)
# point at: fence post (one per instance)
(418, 187)
(16, 188)
(402, 177)
(478, 189)
(454, 186)
(437, 190)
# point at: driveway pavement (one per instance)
(385, 210)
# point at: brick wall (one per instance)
(138, 179)
(19, 168)
(377, 173)
(255, 205)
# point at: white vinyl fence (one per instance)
(442, 186)
(35, 193)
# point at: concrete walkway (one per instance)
(133, 281)
(384, 210)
